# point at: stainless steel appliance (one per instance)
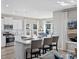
(9, 38)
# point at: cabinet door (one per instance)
(28, 30)
(48, 28)
(3, 41)
(34, 29)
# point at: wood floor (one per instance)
(7, 52)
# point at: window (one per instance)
(48, 26)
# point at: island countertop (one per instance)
(28, 40)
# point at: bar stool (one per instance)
(55, 41)
(34, 50)
(47, 44)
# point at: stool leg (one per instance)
(43, 50)
(31, 55)
(35, 55)
(50, 47)
(26, 55)
(56, 47)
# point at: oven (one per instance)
(9, 38)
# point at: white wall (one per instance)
(60, 27)
(72, 15)
(61, 19)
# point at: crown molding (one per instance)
(16, 17)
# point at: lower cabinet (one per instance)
(3, 41)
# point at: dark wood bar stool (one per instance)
(34, 50)
(47, 44)
(55, 41)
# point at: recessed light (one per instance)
(24, 10)
(63, 3)
(7, 5)
(60, 2)
(72, 1)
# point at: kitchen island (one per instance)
(22, 44)
(20, 48)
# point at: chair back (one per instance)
(35, 44)
(47, 41)
(55, 39)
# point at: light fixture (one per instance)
(63, 3)
(59, 2)
(72, 1)
(7, 5)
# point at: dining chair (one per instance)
(55, 41)
(34, 50)
(47, 44)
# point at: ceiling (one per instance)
(34, 8)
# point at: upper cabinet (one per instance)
(48, 27)
(30, 27)
(12, 25)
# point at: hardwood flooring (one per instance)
(7, 53)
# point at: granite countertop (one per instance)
(27, 40)
(23, 41)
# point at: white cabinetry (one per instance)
(28, 26)
(3, 41)
(17, 28)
